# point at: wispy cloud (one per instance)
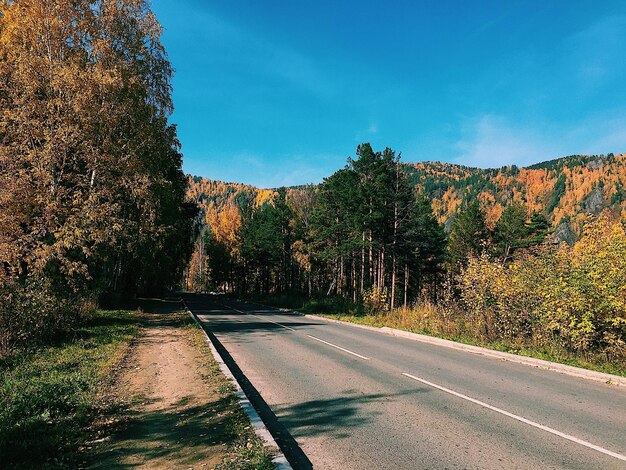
(490, 141)
(595, 54)
(228, 44)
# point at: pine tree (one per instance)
(511, 231)
(469, 235)
(538, 228)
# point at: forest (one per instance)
(95, 207)
(92, 205)
(531, 256)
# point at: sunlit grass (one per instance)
(50, 396)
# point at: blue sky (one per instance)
(280, 92)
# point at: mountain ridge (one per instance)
(567, 190)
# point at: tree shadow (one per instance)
(335, 416)
(157, 306)
(179, 433)
(292, 451)
(222, 325)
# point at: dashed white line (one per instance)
(521, 419)
(338, 347)
(275, 323)
(310, 336)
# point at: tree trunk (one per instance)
(363, 264)
(406, 284)
(353, 279)
(371, 260)
(340, 285)
(393, 282)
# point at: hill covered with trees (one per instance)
(567, 191)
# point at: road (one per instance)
(341, 397)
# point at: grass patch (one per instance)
(245, 450)
(50, 396)
(429, 320)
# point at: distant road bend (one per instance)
(340, 397)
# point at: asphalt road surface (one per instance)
(340, 397)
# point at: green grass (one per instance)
(50, 397)
(344, 310)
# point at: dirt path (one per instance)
(176, 418)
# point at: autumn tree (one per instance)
(93, 192)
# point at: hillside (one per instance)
(567, 190)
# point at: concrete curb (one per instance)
(280, 461)
(530, 361)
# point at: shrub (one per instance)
(375, 299)
(31, 311)
(573, 297)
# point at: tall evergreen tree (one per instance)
(427, 248)
(511, 231)
(469, 235)
(538, 228)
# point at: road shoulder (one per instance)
(181, 411)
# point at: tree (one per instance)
(93, 193)
(426, 248)
(511, 231)
(469, 235)
(336, 222)
(538, 228)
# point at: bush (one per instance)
(572, 297)
(30, 311)
(375, 299)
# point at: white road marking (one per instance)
(275, 323)
(519, 418)
(312, 337)
(262, 318)
(338, 347)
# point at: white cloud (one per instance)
(490, 142)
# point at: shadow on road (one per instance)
(335, 416)
(294, 454)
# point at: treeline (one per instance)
(365, 233)
(92, 199)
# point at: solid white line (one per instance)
(338, 347)
(519, 418)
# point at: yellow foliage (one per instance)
(573, 296)
(225, 224)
